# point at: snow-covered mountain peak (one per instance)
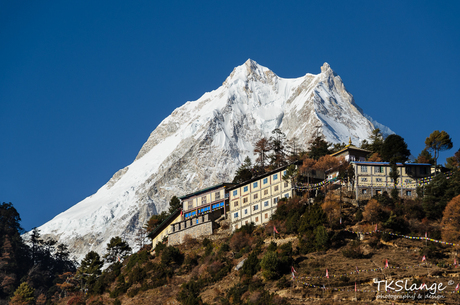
(203, 142)
(250, 71)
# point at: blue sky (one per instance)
(83, 83)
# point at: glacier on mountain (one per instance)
(203, 142)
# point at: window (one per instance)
(217, 195)
(246, 222)
(286, 184)
(266, 203)
(275, 200)
(236, 227)
(408, 193)
(422, 170)
(364, 191)
(235, 215)
(254, 185)
(245, 200)
(265, 180)
(378, 180)
(363, 169)
(256, 207)
(245, 189)
(266, 215)
(245, 211)
(257, 219)
(276, 188)
(363, 179)
(286, 195)
(266, 192)
(378, 169)
(235, 192)
(378, 192)
(235, 203)
(275, 176)
(190, 204)
(203, 200)
(256, 196)
(408, 170)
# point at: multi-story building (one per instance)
(372, 178)
(256, 200)
(200, 210)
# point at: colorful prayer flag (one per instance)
(423, 258)
(386, 263)
(327, 274)
(274, 229)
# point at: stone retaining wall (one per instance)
(196, 231)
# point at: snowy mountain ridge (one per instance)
(203, 142)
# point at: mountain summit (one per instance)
(203, 142)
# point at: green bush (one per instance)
(171, 255)
(190, 293)
(251, 265)
(272, 246)
(270, 265)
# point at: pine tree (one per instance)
(394, 149)
(318, 148)
(278, 148)
(425, 157)
(174, 204)
(117, 249)
(261, 148)
(24, 295)
(454, 161)
(376, 140)
(437, 142)
(244, 172)
(90, 269)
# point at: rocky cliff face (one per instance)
(203, 142)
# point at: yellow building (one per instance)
(372, 178)
(200, 209)
(256, 200)
(165, 228)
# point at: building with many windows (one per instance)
(372, 178)
(256, 200)
(200, 210)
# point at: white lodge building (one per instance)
(255, 200)
(372, 178)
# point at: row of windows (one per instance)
(256, 219)
(379, 192)
(381, 169)
(256, 206)
(256, 184)
(203, 199)
(407, 181)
